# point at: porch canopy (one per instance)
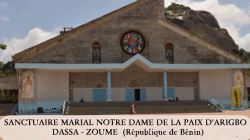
(137, 59)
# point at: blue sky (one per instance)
(244, 4)
(24, 23)
(24, 15)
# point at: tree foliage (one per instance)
(8, 67)
(3, 46)
(177, 7)
(245, 55)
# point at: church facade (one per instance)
(131, 54)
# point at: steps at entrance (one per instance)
(157, 107)
(6, 109)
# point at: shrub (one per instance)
(40, 110)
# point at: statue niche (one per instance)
(28, 85)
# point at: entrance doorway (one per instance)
(100, 95)
(137, 94)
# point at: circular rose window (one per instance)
(132, 42)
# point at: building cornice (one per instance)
(138, 60)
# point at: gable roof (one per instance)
(29, 53)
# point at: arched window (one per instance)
(96, 53)
(169, 53)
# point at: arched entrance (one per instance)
(135, 92)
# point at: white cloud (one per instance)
(229, 16)
(15, 45)
(4, 19)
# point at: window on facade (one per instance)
(96, 53)
(169, 53)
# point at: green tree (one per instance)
(177, 7)
(3, 46)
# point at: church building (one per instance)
(134, 53)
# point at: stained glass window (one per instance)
(132, 42)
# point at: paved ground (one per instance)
(154, 107)
(244, 113)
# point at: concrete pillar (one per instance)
(165, 86)
(109, 90)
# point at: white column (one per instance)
(109, 80)
(165, 82)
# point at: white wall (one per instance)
(118, 94)
(216, 84)
(51, 85)
(153, 94)
(184, 93)
(85, 93)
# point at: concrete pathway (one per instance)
(244, 113)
